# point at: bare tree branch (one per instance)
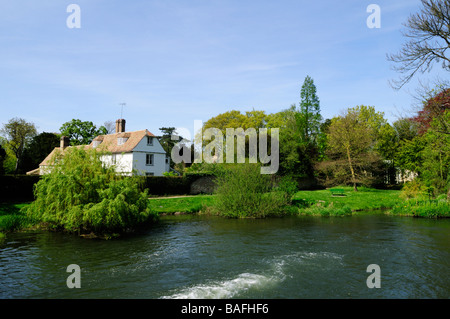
(429, 31)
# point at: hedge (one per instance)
(17, 187)
(20, 187)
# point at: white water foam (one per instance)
(224, 289)
(279, 268)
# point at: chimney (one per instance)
(65, 141)
(120, 126)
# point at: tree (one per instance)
(405, 128)
(292, 157)
(230, 119)
(83, 195)
(81, 133)
(349, 137)
(410, 154)
(429, 31)
(436, 154)
(2, 159)
(309, 117)
(308, 123)
(387, 146)
(18, 132)
(167, 142)
(166, 139)
(235, 119)
(373, 119)
(110, 127)
(37, 150)
(434, 108)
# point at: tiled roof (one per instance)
(109, 143)
(57, 150)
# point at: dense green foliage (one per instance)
(82, 195)
(37, 150)
(13, 218)
(18, 133)
(436, 208)
(242, 191)
(81, 132)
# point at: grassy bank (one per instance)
(322, 202)
(437, 208)
(317, 202)
(12, 218)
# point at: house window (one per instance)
(149, 174)
(149, 140)
(113, 159)
(167, 160)
(122, 140)
(149, 159)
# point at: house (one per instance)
(136, 152)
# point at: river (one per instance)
(212, 257)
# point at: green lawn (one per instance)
(364, 199)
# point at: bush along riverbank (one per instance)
(438, 208)
(420, 200)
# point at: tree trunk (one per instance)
(448, 195)
(351, 169)
(17, 167)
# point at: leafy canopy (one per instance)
(81, 133)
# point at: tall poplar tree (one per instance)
(309, 116)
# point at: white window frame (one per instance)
(150, 162)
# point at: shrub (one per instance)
(288, 188)
(423, 208)
(242, 191)
(324, 210)
(415, 189)
(83, 195)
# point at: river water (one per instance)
(212, 257)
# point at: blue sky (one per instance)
(173, 62)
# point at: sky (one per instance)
(176, 61)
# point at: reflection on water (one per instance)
(209, 257)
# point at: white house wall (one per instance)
(159, 158)
(123, 162)
(141, 168)
(135, 161)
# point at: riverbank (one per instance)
(305, 201)
(317, 203)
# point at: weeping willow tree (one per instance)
(83, 195)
